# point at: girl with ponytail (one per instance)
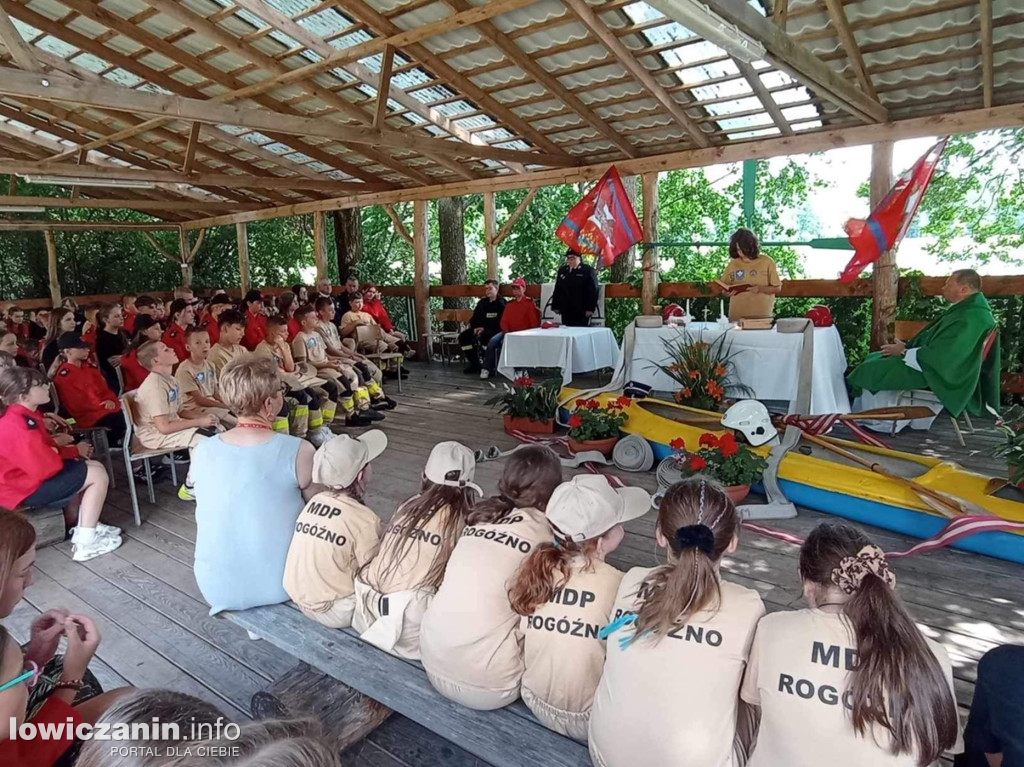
(677, 645)
(470, 642)
(851, 680)
(565, 591)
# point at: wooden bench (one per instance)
(48, 522)
(508, 737)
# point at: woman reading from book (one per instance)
(750, 280)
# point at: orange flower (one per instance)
(720, 371)
(694, 374)
(687, 393)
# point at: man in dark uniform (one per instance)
(575, 295)
(484, 325)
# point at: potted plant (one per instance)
(593, 426)
(703, 370)
(527, 405)
(735, 466)
(1011, 425)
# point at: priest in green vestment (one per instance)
(944, 358)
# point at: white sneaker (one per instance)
(485, 374)
(103, 531)
(320, 435)
(101, 544)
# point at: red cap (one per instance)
(519, 282)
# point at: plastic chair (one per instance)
(144, 454)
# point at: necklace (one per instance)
(242, 425)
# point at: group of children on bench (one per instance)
(510, 597)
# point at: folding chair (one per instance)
(140, 453)
(445, 339)
(97, 436)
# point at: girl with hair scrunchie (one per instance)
(678, 644)
(851, 680)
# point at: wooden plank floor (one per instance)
(157, 631)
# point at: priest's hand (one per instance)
(896, 349)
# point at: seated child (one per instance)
(181, 317)
(163, 421)
(568, 583)
(255, 320)
(314, 399)
(470, 642)
(414, 553)
(335, 535)
(374, 339)
(90, 326)
(883, 691)
(993, 730)
(231, 329)
(308, 348)
(369, 374)
(677, 645)
(146, 329)
(198, 378)
(211, 320)
(84, 392)
(36, 472)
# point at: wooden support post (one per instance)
(51, 266)
(346, 716)
(320, 244)
(242, 235)
(649, 300)
(421, 278)
(490, 229)
(886, 277)
(185, 252)
(384, 86)
(190, 148)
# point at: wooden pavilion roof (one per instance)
(221, 106)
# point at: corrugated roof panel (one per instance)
(540, 108)
(499, 77)
(593, 76)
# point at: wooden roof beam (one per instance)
(789, 56)
(767, 100)
(987, 58)
(384, 87)
(642, 75)
(850, 46)
(22, 225)
(115, 204)
(20, 50)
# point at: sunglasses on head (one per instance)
(30, 676)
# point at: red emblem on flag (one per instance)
(888, 222)
(603, 223)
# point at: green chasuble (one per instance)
(949, 353)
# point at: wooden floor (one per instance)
(157, 633)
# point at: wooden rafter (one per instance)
(987, 58)
(190, 148)
(384, 86)
(516, 214)
(399, 224)
(125, 204)
(24, 225)
(780, 13)
(767, 100)
(644, 76)
(20, 51)
(850, 46)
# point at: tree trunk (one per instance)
(348, 239)
(626, 263)
(452, 230)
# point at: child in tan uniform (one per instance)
(565, 592)
(470, 642)
(162, 421)
(198, 378)
(370, 336)
(369, 374)
(335, 535)
(308, 348)
(231, 323)
(394, 590)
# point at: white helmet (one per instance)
(750, 417)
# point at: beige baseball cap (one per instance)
(587, 507)
(448, 457)
(338, 461)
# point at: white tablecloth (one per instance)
(573, 350)
(767, 361)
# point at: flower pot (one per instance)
(528, 425)
(603, 446)
(737, 493)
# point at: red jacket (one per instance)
(294, 328)
(40, 752)
(129, 322)
(83, 390)
(255, 330)
(520, 315)
(379, 312)
(30, 456)
(212, 328)
(132, 371)
(177, 337)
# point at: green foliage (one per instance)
(721, 458)
(592, 420)
(526, 398)
(1011, 426)
(702, 370)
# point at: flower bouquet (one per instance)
(703, 370)
(734, 465)
(528, 405)
(593, 426)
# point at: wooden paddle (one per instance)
(945, 504)
(879, 414)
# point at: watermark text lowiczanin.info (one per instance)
(169, 738)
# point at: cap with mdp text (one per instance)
(338, 461)
(587, 507)
(448, 459)
(71, 340)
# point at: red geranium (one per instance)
(575, 421)
(697, 463)
(593, 404)
(581, 403)
(624, 401)
(728, 445)
(523, 381)
(677, 444)
(708, 439)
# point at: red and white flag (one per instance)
(603, 223)
(887, 223)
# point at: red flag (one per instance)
(888, 222)
(603, 223)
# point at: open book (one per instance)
(733, 288)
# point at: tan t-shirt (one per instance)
(309, 347)
(798, 674)
(158, 395)
(334, 536)
(329, 333)
(470, 635)
(761, 271)
(221, 355)
(564, 657)
(359, 318)
(675, 701)
(421, 551)
(200, 378)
